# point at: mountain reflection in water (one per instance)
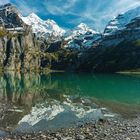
(33, 102)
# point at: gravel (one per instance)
(109, 129)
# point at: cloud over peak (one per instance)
(69, 13)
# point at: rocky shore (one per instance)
(109, 129)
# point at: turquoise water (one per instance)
(34, 102)
(113, 87)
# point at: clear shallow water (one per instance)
(34, 102)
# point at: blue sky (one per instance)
(70, 13)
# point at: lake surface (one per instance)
(37, 102)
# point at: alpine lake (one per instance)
(33, 102)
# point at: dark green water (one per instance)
(33, 102)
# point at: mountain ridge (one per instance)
(80, 49)
(43, 28)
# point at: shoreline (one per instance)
(104, 129)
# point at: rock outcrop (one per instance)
(19, 51)
(18, 47)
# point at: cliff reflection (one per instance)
(31, 98)
(18, 93)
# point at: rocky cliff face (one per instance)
(18, 51)
(18, 47)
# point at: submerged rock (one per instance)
(3, 134)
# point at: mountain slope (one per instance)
(119, 49)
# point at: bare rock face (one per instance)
(19, 52)
(18, 46)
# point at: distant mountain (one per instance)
(119, 48)
(44, 28)
(81, 37)
(81, 29)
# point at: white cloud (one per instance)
(94, 12)
(25, 8)
(4, 2)
(60, 7)
(96, 15)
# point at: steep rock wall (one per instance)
(18, 52)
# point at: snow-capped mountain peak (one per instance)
(81, 29)
(121, 21)
(32, 19)
(34, 16)
(82, 26)
(43, 28)
(81, 36)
